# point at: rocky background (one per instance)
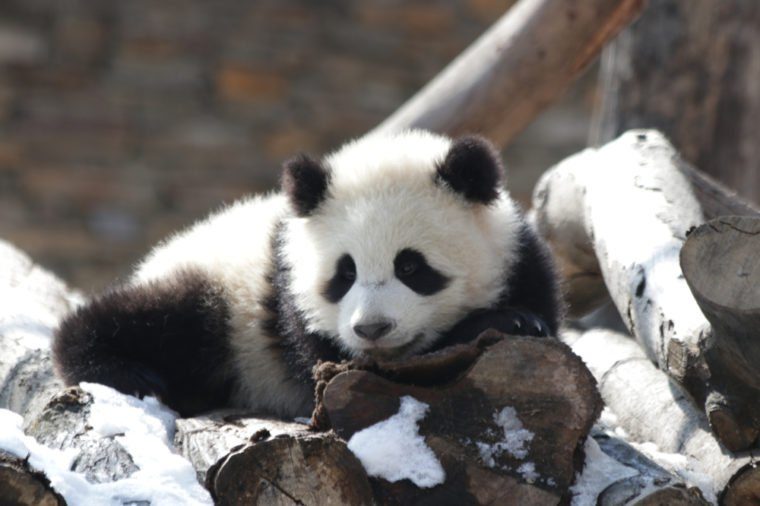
(121, 121)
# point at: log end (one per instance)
(290, 470)
(743, 489)
(20, 485)
(539, 384)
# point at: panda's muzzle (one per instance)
(375, 330)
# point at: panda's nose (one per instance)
(375, 330)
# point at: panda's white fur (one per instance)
(381, 197)
(381, 200)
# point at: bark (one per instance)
(551, 391)
(651, 407)
(690, 69)
(517, 68)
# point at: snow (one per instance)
(599, 472)
(394, 450)
(143, 427)
(516, 438)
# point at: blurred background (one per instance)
(122, 121)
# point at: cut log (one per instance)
(720, 264)
(20, 485)
(517, 68)
(544, 390)
(652, 408)
(288, 470)
(205, 440)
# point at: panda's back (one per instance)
(232, 247)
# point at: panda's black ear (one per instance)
(304, 181)
(473, 169)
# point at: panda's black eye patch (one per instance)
(342, 280)
(414, 271)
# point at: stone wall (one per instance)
(121, 120)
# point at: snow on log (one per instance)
(719, 261)
(617, 474)
(650, 407)
(33, 302)
(503, 425)
(519, 66)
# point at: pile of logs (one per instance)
(661, 289)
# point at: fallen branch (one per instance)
(517, 68)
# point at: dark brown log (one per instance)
(687, 68)
(20, 485)
(551, 391)
(720, 263)
(517, 68)
(650, 407)
(205, 440)
(289, 470)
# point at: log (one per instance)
(20, 485)
(652, 408)
(587, 207)
(524, 62)
(720, 267)
(646, 483)
(242, 458)
(685, 68)
(537, 382)
(34, 300)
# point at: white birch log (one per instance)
(627, 208)
(621, 214)
(524, 62)
(653, 408)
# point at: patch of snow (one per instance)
(516, 438)
(599, 472)
(144, 428)
(528, 471)
(394, 450)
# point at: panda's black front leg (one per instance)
(510, 320)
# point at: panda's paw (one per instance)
(522, 323)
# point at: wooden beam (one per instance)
(522, 64)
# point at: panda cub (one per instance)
(391, 246)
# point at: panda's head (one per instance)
(395, 238)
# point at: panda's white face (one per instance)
(389, 259)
